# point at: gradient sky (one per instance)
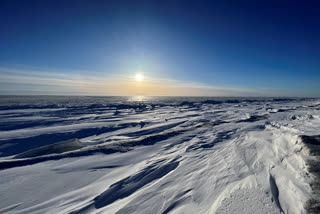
(198, 48)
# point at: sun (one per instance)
(139, 77)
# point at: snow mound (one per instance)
(311, 146)
(55, 148)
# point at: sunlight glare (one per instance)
(139, 77)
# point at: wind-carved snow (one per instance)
(157, 155)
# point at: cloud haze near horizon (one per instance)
(29, 82)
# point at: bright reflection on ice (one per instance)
(137, 99)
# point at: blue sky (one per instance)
(217, 48)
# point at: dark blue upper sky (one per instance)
(271, 44)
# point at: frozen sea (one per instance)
(62, 154)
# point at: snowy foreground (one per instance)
(158, 155)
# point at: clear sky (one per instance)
(198, 48)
